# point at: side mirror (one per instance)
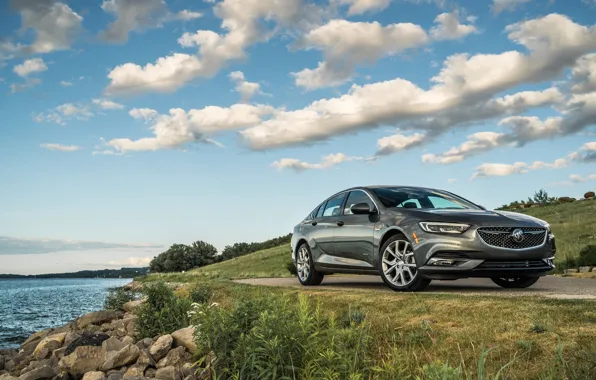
(361, 208)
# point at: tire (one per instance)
(515, 282)
(404, 282)
(312, 277)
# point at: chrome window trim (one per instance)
(369, 197)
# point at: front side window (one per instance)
(355, 197)
(321, 209)
(403, 197)
(333, 206)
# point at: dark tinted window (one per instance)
(421, 198)
(333, 206)
(355, 197)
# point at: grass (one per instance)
(574, 226)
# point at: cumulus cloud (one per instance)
(398, 142)
(499, 170)
(60, 147)
(30, 66)
(449, 27)
(29, 83)
(576, 178)
(16, 246)
(300, 166)
(107, 104)
(346, 44)
(55, 24)
(63, 113)
(65, 83)
(464, 86)
(245, 88)
(584, 74)
(180, 127)
(499, 6)
(241, 21)
(138, 15)
(358, 7)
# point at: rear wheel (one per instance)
(515, 282)
(307, 274)
(397, 265)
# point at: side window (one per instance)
(313, 214)
(321, 209)
(410, 203)
(333, 206)
(354, 198)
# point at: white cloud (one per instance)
(499, 6)
(64, 112)
(61, 148)
(29, 83)
(398, 142)
(30, 66)
(452, 180)
(499, 170)
(107, 104)
(179, 127)
(70, 109)
(134, 15)
(346, 44)
(449, 27)
(65, 83)
(299, 166)
(592, 176)
(476, 143)
(245, 88)
(28, 246)
(461, 89)
(584, 74)
(134, 262)
(54, 24)
(146, 114)
(358, 7)
(576, 178)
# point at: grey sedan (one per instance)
(412, 235)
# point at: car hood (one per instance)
(474, 217)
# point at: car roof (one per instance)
(372, 187)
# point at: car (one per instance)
(413, 235)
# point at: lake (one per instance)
(30, 305)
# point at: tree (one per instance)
(180, 257)
(541, 196)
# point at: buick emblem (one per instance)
(517, 235)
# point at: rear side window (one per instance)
(356, 197)
(333, 206)
(321, 209)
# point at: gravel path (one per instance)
(548, 286)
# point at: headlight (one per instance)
(444, 228)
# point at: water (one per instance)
(30, 305)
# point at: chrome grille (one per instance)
(501, 237)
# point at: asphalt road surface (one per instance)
(548, 286)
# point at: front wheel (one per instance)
(397, 265)
(307, 274)
(515, 282)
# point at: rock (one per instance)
(84, 359)
(8, 352)
(175, 357)
(37, 337)
(70, 337)
(9, 365)
(62, 376)
(97, 318)
(88, 339)
(185, 338)
(94, 375)
(115, 376)
(48, 345)
(150, 372)
(2, 361)
(585, 269)
(8, 377)
(45, 372)
(188, 369)
(160, 348)
(128, 340)
(146, 358)
(571, 270)
(125, 356)
(111, 344)
(190, 377)
(136, 370)
(59, 353)
(132, 306)
(145, 343)
(168, 373)
(53, 363)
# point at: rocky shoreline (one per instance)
(101, 345)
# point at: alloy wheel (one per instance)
(399, 265)
(303, 263)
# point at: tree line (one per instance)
(541, 198)
(182, 257)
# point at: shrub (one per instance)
(587, 256)
(180, 257)
(292, 268)
(117, 297)
(162, 313)
(201, 294)
(565, 199)
(589, 194)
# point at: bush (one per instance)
(241, 249)
(201, 294)
(117, 297)
(587, 256)
(180, 257)
(292, 268)
(589, 194)
(565, 199)
(162, 313)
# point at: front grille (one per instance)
(512, 264)
(502, 237)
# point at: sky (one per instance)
(127, 125)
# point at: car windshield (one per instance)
(403, 197)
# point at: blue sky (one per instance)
(130, 125)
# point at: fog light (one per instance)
(441, 262)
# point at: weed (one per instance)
(117, 297)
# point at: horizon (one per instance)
(129, 128)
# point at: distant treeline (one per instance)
(181, 257)
(102, 273)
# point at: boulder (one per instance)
(175, 357)
(115, 375)
(150, 372)
(48, 344)
(87, 339)
(6, 376)
(136, 370)
(145, 343)
(125, 356)
(185, 338)
(168, 373)
(128, 340)
(111, 344)
(59, 353)
(94, 375)
(585, 269)
(160, 348)
(188, 369)
(70, 337)
(132, 306)
(62, 376)
(37, 337)
(84, 359)
(45, 372)
(9, 365)
(97, 318)
(146, 358)
(38, 364)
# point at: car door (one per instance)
(354, 236)
(327, 223)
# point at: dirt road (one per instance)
(548, 286)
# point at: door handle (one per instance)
(340, 223)
(314, 223)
